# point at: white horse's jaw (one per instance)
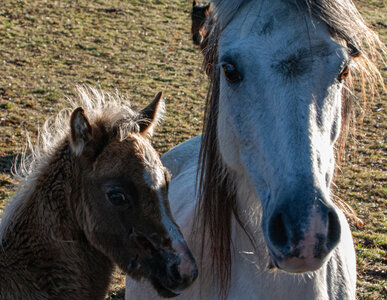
(277, 127)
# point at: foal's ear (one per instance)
(151, 115)
(193, 3)
(81, 131)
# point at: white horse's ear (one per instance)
(151, 115)
(81, 131)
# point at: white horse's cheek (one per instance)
(324, 138)
(227, 138)
(238, 152)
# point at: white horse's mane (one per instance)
(113, 110)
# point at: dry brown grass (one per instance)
(139, 48)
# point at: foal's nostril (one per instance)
(333, 230)
(174, 273)
(277, 231)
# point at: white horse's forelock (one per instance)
(342, 18)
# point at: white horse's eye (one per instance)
(344, 74)
(353, 50)
(231, 73)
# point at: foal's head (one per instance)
(199, 16)
(120, 196)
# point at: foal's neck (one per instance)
(42, 208)
(44, 251)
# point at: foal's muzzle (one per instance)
(170, 269)
(184, 271)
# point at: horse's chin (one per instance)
(295, 265)
(157, 285)
(162, 290)
(135, 271)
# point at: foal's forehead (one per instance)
(142, 147)
(154, 171)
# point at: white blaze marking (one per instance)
(170, 227)
(155, 181)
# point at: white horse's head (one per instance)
(278, 120)
(278, 69)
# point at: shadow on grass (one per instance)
(376, 275)
(116, 295)
(6, 163)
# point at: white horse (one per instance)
(262, 220)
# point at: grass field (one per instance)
(142, 47)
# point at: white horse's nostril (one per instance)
(277, 231)
(334, 230)
(302, 243)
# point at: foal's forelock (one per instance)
(112, 111)
(217, 197)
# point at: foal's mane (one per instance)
(113, 110)
(217, 197)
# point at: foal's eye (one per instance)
(231, 73)
(344, 74)
(117, 198)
